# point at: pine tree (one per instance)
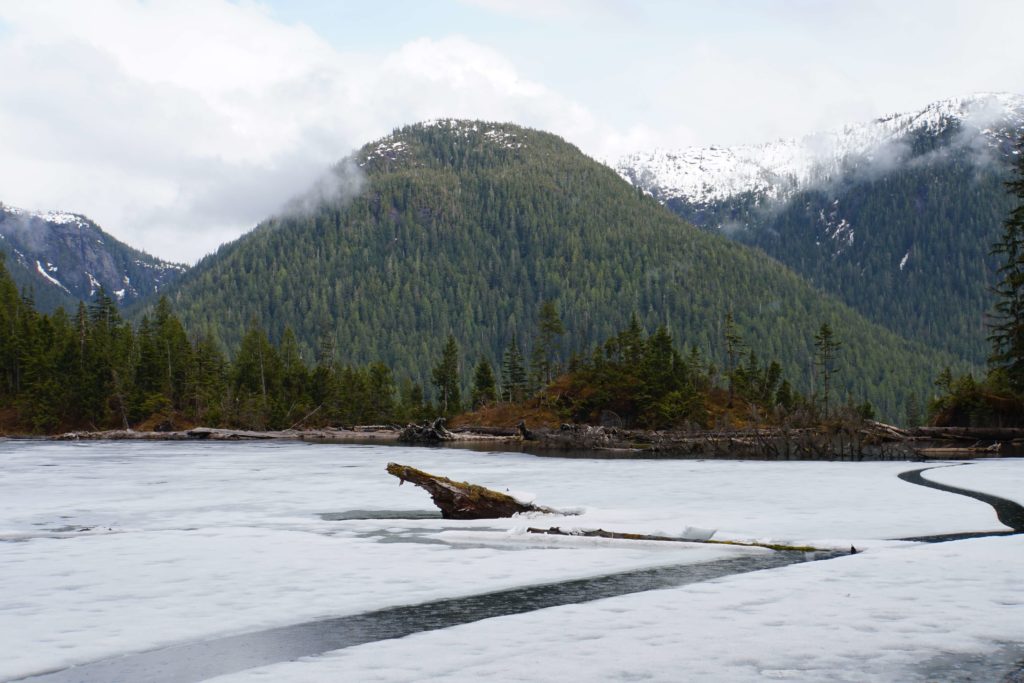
(445, 377)
(485, 390)
(513, 374)
(1007, 337)
(733, 349)
(827, 347)
(543, 359)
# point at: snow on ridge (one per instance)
(776, 170)
(56, 217)
(393, 146)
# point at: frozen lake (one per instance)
(117, 548)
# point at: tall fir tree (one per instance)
(544, 360)
(513, 374)
(827, 347)
(485, 389)
(1007, 328)
(445, 377)
(733, 350)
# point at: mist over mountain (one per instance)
(62, 258)
(895, 216)
(465, 227)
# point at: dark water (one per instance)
(206, 659)
(379, 514)
(1002, 665)
(1008, 512)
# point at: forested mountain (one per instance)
(464, 228)
(895, 217)
(63, 258)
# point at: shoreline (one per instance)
(871, 441)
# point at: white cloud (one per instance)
(179, 124)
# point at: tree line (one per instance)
(998, 398)
(95, 370)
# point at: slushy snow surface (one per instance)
(114, 548)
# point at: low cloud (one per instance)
(340, 185)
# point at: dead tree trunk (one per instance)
(428, 432)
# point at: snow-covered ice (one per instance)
(1003, 478)
(199, 540)
(870, 617)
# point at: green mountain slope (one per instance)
(895, 216)
(465, 227)
(917, 260)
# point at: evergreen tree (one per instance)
(256, 375)
(485, 390)
(543, 359)
(207, 385)
(445, 377)
(1007, 330)
(513, 374)
(827, 347)
(381, 393)
(733, 349)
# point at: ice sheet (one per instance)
(1003, 478)
(878, 616)
(118, 547)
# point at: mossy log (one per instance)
(460, 500)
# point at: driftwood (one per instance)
(459, 500)
(326, 435)
(863, 440)
(428, 432)
(601, 533)
(970, 433)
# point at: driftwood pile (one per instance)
(866, 440)
(428, 432)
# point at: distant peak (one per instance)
(777, 169)
(418, 143)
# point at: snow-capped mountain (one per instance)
(776, 170)
(65, 257)
(895, 216)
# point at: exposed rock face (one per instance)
(459, 500)
(66, 257)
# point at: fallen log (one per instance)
(601, 533)
(971, 433)
(460, 500)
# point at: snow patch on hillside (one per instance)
(49, 278)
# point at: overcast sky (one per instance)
(179, 124)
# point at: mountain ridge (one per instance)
(776, 170)
(899, 230)
(65, 257)
(465, 227)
